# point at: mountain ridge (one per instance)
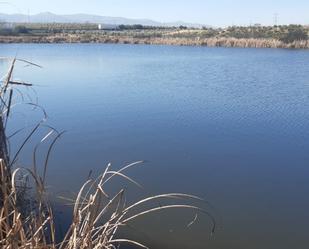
(49, 17)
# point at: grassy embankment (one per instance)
(292, 36)
(27, 219)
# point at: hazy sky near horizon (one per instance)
(211, 12)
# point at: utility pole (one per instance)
(276, 16)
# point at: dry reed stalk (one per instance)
(97, 216)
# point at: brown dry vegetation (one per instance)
(256, 36)
(97, 215)
(210, 42)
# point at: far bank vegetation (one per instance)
(287, 36)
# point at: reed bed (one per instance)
(29, 222)
(164, 40)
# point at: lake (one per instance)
(229, 125)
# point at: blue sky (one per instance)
(218, 13)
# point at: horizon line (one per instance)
(150, 19)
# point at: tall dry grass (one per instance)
(164, 40)
(29, 222)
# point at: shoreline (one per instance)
(113, 39)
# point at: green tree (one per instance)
(294, 33)
(183, 27)
(20, 29)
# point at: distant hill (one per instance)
(48, 17)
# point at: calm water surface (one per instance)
(229, 125)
